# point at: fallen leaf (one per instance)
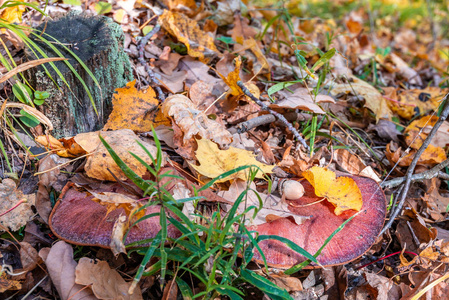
(193, 122)
(13, 14)
(123, 142)
(349, 162)
(61, 268)
(430, 157)
(187, 7)
(342, 192)
(11, 196)
(302, 99)
(214, 162)
(105, 282)
(133, 109)
(373, 98)
(260, 64)
(415, 128)
(28, 256)
(199, 44)
(7, 284)
(232, 77)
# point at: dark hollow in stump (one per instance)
(98, 42)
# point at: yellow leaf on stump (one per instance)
(342, 192)
(214, 162)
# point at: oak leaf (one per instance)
(193, 122)
(342, 192)
(214, 162)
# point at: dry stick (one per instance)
(434, 172)
(411, 168)
(276, 114)
(150, 72)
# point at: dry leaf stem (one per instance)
(141, 47)
(403, 195)
(274, 113)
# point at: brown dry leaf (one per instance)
(168, 64)
(431, 156)
(193, 122)
(63, 147)
(242, 30)
(411, 132)
(441, 138)
(122, 141)
(174, 82)
(199, 44)
(342, 192)
(302, 99)
(105, 282)
(61, 268)
(170, 291)
(254, 55)
(289, 283)
(405, 71)
(133, 109)
(373, 98)
(437, 204)
(28, 256)
(202, 96)
(214, 162)
(10, 196)
(348, 161)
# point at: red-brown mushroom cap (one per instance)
(79, 220)
(354, 240)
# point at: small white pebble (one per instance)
(292, 189)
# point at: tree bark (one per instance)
(98, 43)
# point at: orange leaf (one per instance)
(234, 76)
(135, 110)
(199, 44)
(342, 192)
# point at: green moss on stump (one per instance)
(98, 42)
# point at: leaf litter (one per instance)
(341, 76)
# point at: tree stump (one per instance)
(98, 42)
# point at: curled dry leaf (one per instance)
(342, 192)
(193, 122)
(199, 44)
(11, 196)
(302, 99)
(61, 268)
(105, 282)
(214, 162)
(134, 109)
(123, 142)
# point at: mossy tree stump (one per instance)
(98, 42)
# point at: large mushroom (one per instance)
(353, 241)
(79, 220)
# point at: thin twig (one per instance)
(411, 168)
(276, 114)
(432, 173)
(151, 75)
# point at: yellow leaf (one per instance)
(100, 165)
(373, 98)
(214, 162)
(13, 14)
(135, 110)
(342, 192)
(199, 44)
(234, 76)
(416, 127)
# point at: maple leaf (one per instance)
(214, 162)
(135, 110)
(342, 192)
